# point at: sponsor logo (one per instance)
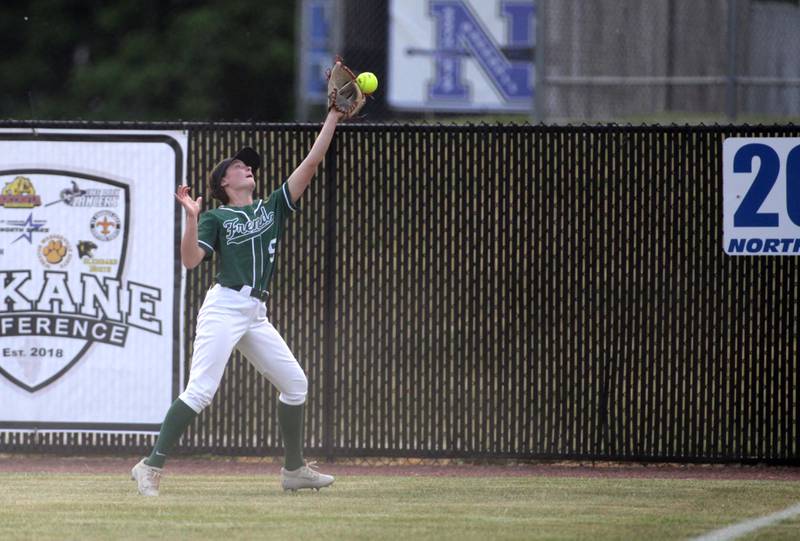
(76, 196)
(105, 225)
(86, 248)
(55, 252)
(27, 227)
(19, 193)
(64, 290)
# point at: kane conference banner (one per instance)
(90, 302)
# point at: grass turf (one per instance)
(72, 506)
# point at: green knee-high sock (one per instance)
(290, 419)
(178, 418)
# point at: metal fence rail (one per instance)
(508, 291)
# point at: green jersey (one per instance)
(246, 238)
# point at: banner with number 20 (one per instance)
(761, 196)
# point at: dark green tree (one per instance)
(147, 59)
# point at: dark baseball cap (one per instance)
(247, 155)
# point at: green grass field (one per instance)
(73, 506)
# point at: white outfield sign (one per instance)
(461, 55)
(90, 303)
(761, 196)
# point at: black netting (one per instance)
(508, 291)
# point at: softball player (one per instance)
(244, 234)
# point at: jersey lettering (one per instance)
(237, 232)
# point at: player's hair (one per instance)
(217, 190)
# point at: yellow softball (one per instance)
(367, 82)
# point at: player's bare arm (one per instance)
(191, 253)
(301, 177)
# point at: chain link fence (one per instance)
(523, 292)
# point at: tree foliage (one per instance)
(147, 59)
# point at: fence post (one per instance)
(538, 113)
(329, 304)
(731, 93)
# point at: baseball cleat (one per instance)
(304, 477)
(147, 478)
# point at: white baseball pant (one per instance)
(228, 319)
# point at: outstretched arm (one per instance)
(301, 177)
(191, 253)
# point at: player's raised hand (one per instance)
(192, 206)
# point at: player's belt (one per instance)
(259, 294)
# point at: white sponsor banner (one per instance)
(90, 302)
(461, 55)
(761, 196)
